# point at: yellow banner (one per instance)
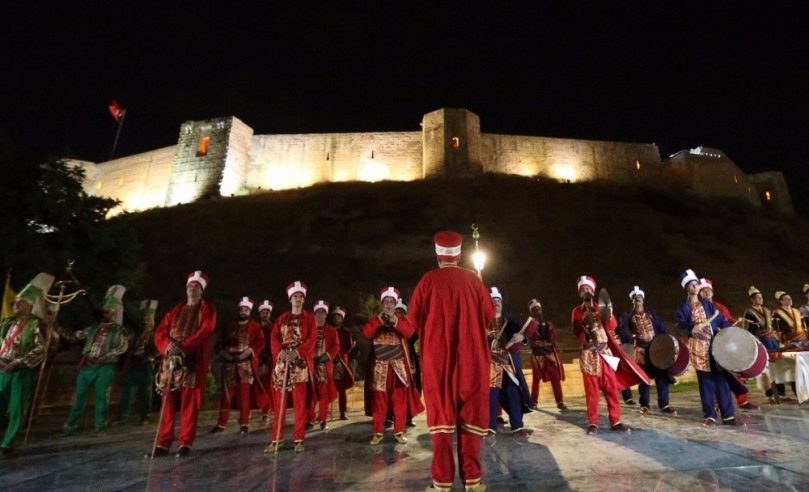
(8, 299)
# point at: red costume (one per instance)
(326, 349)
(390, 381)
(293, 333)
(343, 377)
(545, 361)
(451, 309)
(264, 392)
(239, 374)
(191, 328)
(598, 341)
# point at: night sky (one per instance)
(729, 75)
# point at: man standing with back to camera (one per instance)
(451, 309)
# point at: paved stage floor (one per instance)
(661, 454)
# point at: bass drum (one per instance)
(669, 354)
(739, 352)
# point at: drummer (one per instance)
(644, 324)
(701, 320)
(760, 324)
(737, 386)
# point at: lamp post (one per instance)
(479, 257)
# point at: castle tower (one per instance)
(451, 143)
(210, 160)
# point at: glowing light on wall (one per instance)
(564, 172)
(735, 179)
(373, 171)
(767, 195)
(637, 164)
(98, 186)
(202, 149)
(120, 181)
(456, 142)
(282, 178)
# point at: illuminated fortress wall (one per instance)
(290, 161)
(222, 157)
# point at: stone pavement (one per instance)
(661, 454)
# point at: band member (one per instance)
(293, 339)
(546, 363)
(390, 381)
(22, 341)
(702, 320)
(504, 386)
(263, 395)
(805, 308)
(239, 345)
(644, 324)
(184, 338)
(326, 349)
(788, 320)
(138, 370)
(343, 376)
(413, 344)
(597, 346)
(104, 343)
(452, 309)
(760, 324)
(736, 385)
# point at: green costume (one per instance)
(24, 351)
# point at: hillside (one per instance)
(346, 240)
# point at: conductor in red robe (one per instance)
(184, 338)
(451, 309)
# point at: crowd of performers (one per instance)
(454, 330)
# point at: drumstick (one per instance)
(527, 322)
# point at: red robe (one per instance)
(197, 346)
(331, 344)
(256, 342)
(306, 349)
(451, 309)
(263, 393)
(405, 330)
(346, 344)
(725, 311)
(629, 373)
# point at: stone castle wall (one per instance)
(223, 157)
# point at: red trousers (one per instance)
(264, 400)
(322, 402)
(228, 392)
(187, 401)
(394, 396)
(299, 395)
(556, 382)
(443, 467)
(593, 385)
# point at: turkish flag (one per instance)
(117, 111)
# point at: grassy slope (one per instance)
(346, 240)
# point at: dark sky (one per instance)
(724, 74)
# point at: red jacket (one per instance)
(197, 346)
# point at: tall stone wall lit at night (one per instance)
(223, 157)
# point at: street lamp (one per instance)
(479, 257)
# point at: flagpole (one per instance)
(118, 133)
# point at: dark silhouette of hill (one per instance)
(347, 240)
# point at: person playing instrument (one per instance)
(293, 339)
(239, 345)
(451, 309)
(264, 394)
(643, 324)
(326, 350)
(104, 343)
(343, 376)
(504, 384)
(546, 364)
(138, 371)
(22, 349)
(413, 345)
(702, 320)
(598, 375)
(390, 382)
(736, 385)
(789, 320)
(760, 324)
(184, 338)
